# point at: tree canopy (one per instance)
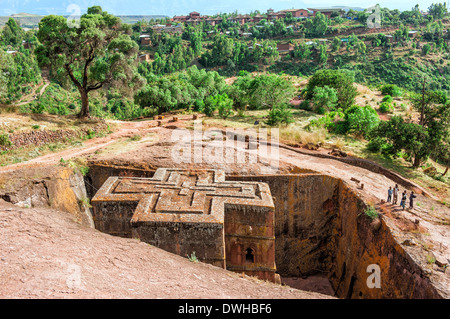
(12, 33)
(340, 80)
(438, 10)
(92, 55)
(426, 138)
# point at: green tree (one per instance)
(422, 139)
(426, 49)
(220, 102)
(340, 80)
(280, 114)
(391, 89)
(438, 10)
(324, 99)
(318, 25)
(336, 44)
(180, 90)
(3, 77)
(361, 120)
(158, 97)
(442, 155)
(12, 33)
(18, 73)
(323, 56)
(302, 51)
(363, 16)
(268, 91)
(401, 135)
(196, 42)
(239, 91)
(90, 56)
(361, 49)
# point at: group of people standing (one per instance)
(393, 195)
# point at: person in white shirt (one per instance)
(395, 194)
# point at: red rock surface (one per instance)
(45, 254)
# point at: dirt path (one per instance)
(124, 130)
(33, 95)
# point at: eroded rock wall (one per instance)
(60, 188)
(321, 227)
(359, 243)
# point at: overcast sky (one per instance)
(182, 7)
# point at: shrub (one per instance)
(199, 105)
(225, 107)
(37, 108)
(386, 107)
(331, 121)
(391, 89)
(193, 258)
(58, 109)
(90, 134)
(376, 144)
(279, 115)
(426, 49)
(371, 213)
(4, 140)
(324, 99)
(209, 109)
(388, 99)
(361, 119)
(219, 102)
(135, 138)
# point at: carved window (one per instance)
(250, 255)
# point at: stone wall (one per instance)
(203, 240)
(42, 137)
(114, 218)
(250, 240)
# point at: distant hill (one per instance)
(345, 8)
(27, 20)
(134, 19)
(24, 15)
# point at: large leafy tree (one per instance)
(97, 53)
(401, 135)
(438, 10)
(361, 120)
(269, 91)
(318, 25)
(340, 80)
(442, 155)
(179, 90)
(12, 33)
(428, 137)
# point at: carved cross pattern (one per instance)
(174, 195)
